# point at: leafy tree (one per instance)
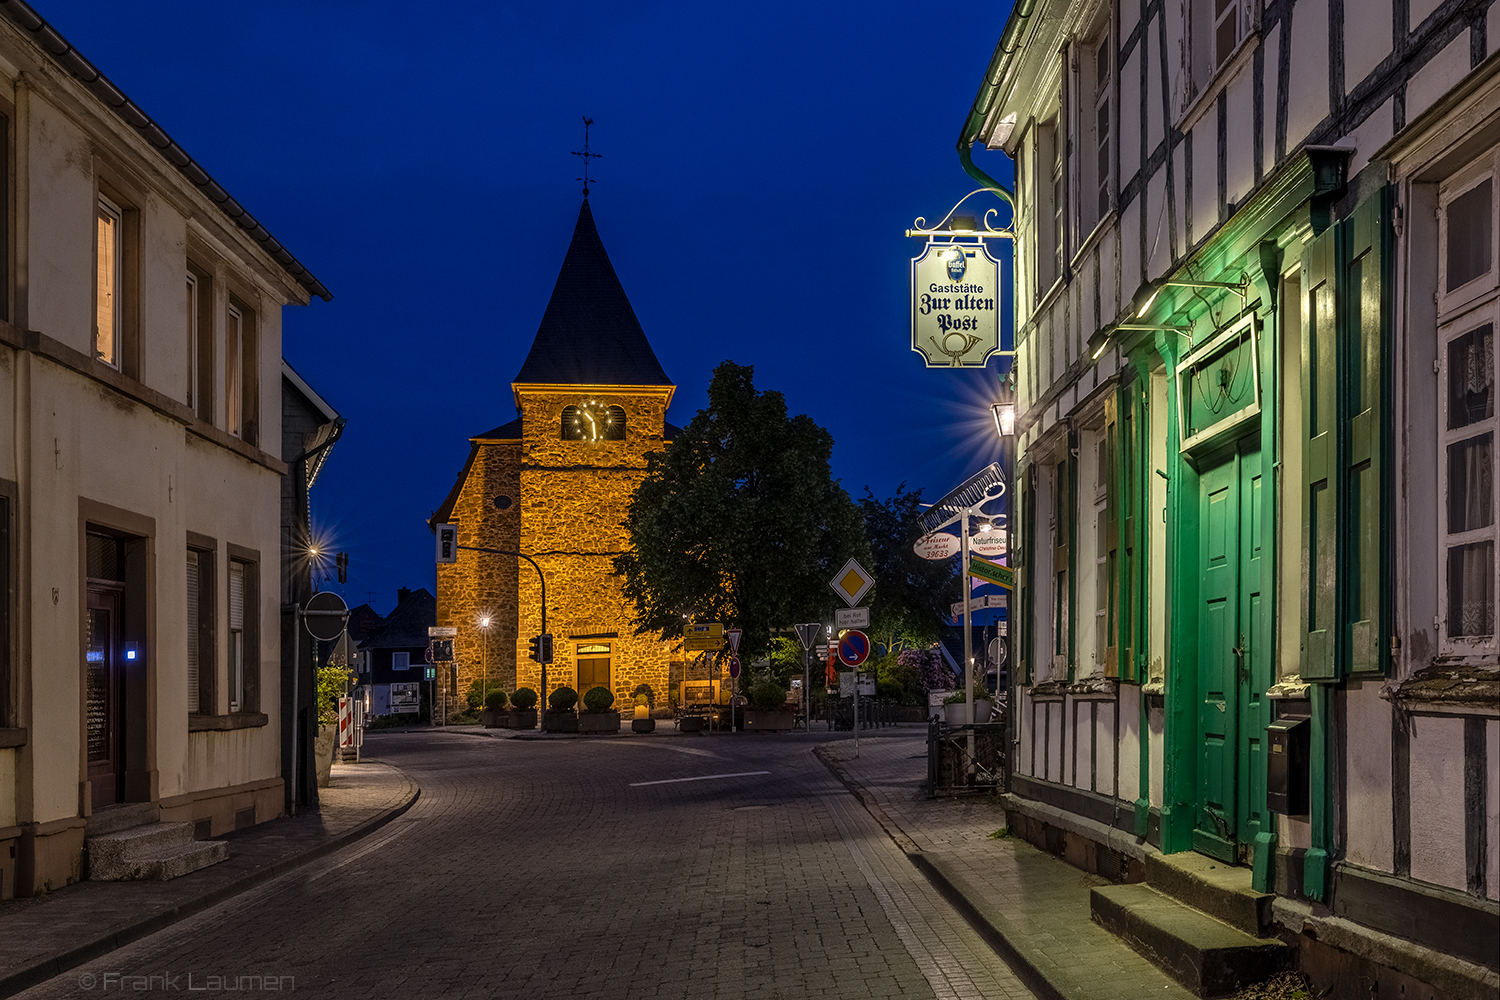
(912, 595)
(739, 520)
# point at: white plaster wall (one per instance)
(1027, 763)
(8, 783)
(1418, 12)
(1130, 250)
(1156, 720)
(1293, 833)
(1272, 82)
(1083, 765)
(1371, 134)
(1109, 245)
(1179, 195)
(163, 299)
(8, 362)
(1437, 801)
(1438, 76)
(1367, 764)
(1130, 742)
(1158, 232)
(1239, 134)
(1154, 117)
(1055, 750)
(1129, 14)
(1307, 88)
(1492, 804)
(62, 207)
(1367, 39)
(1084, 283)
(1130, 116)
(1491, 29)
(1205, 178)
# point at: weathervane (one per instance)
(587, 156)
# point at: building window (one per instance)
(1102, 159)
(236, 635)
(192, 341)
(1101, 551)
(400, 661)
(1468, 313)
(1218, 27)
(234, 372)
(109, 270)
(200, 631)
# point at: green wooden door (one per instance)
(1218, 625)
(1254, 666)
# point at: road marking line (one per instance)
(701, 777)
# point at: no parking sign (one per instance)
(854, 647)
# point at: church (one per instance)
(554, 484)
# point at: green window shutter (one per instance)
(1023, 623)
(1363, 333)
(1128, 583)
(1112, 508)
(1319, 439)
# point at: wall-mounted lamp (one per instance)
(1101, 337)
(1150, 290)
(1005, 419)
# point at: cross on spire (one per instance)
(586, 155)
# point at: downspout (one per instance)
(999, 67)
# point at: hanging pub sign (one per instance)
(955, 304)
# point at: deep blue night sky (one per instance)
(761, 162)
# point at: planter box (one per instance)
(958, 713)
(647, 725)
(490, 719)
(599, 722)
(769, 722)
(690, 724)
(323, 748)
(516, 719)
(560, 722)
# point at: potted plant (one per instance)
(956, 708)
(331, 684)
(560, 716)
(768, 711)
(522, 714)
(642, 723)
(494, 708)
(597, 715)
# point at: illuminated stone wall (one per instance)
(569, 511)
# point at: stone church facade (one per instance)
(554, 484)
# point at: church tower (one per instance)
(554, 484)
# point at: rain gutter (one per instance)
(999, 67)
(70, 59)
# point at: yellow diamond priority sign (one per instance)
(852, 582)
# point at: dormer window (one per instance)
(593, 421)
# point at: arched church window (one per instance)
(592, 421)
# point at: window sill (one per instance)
(12, 738)
(1092, 239)
(1049, 690)
(223, 723)
(1198, 106)
(1447, 690)
(1289, 687)
(1095, 687)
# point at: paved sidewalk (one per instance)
(42, 937)
(1031, 907)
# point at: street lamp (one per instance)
(484, 669)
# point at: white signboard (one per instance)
(405, 697)
(937, 546)
(851, 618)
(442, 631)
(988, 543)
(955, 305)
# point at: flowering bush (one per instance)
(932, 673)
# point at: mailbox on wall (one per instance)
(1287, 766)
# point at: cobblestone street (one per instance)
(646, 867)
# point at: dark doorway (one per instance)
(106, 689)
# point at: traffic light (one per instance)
(536, 648)
(342, 560)
(546, 638)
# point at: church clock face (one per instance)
(591, 420)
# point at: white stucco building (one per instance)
(1257, 282)
(140, 471)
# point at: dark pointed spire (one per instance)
(589, 334)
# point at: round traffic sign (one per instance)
(734, 666)
(854, 647)
(325, 615)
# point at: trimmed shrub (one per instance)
(767, 695)
(563, 699)
(524, 699)
(598, 699)
(495, 701)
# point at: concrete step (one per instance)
(150, 851)
(111, 819)
(1218, 889)
(1208, 956)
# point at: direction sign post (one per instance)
(808, 634)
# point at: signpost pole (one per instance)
(856, 711)
(968, 634)
(806, 689)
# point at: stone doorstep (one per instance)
(150, 851)
(1218, 889)
(1208, 956)
(111, 819)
